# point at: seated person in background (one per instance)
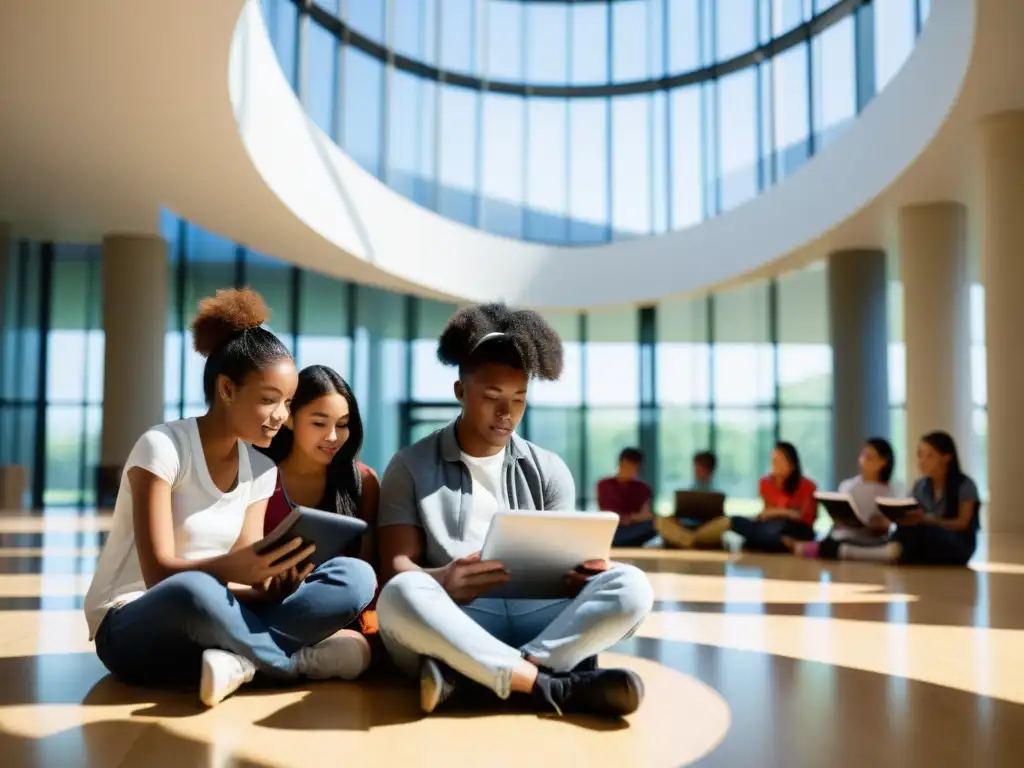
(876, 462)
(180, 596)
(704, 465)
(438, 497)
(789, 509)
(674, 532)
(630, 498)
(943, 530)
(316, 453)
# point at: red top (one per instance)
(623, 498)
(802, 500)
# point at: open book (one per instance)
(841, 508)
(896, 508)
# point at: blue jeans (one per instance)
(488, 638)
(634, 534)
(932, 545)
(766, 535)
(159, 638)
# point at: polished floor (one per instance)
(749, 661)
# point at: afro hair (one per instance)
(225, 315)
(535, 346)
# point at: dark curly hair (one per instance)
(494, 333)
(228, 331)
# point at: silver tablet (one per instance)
(539, 548)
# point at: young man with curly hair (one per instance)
(437, 500)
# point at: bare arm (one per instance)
(401, 549)
(961, 522)
(154, 531)
(154, 539)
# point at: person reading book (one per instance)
(943, 529)
(438, 497)
(180, 596)
(876, 463)
(315, 453)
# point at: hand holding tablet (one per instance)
(328, 532)
(467, 578)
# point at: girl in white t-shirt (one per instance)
(179, 594)
(876, 463)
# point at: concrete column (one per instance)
(858, 318)
(1001, 219)
(936, 317)
(134, 325)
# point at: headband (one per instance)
(487, 337)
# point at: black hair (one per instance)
(228, 331)
(343, 472)
(792, 481)
(945, 445)
(494, 333)
(885, 452)
(634, 455)
(706, 459)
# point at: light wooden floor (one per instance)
(755, 661)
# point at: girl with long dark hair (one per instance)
(180, 595)
(316, 453)
(876, 463)
(943, 529)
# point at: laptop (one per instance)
(695, 508)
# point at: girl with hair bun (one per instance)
(179, 595)
(438, 618)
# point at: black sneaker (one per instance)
(437, 683)
(607, 692)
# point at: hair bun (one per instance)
(229, 312)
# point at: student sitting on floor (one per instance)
(315, 453)
(789, 509)
(180, 595)
(944, 529)
(437, 499)
(629, 497)
(876, 462)
(675, 533)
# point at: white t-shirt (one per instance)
(206, 520)
(487, 497)
(865, 496)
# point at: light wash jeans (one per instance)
(487, 638)
(159, 638)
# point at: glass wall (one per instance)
(583, 122)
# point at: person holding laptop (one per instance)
(625, 494)
(943, 528)
(180, 594)
(437, 499)
(876, 462)
(315, 453)
(679, 533)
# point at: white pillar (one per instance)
(134, 324)
(936, 318)
(1002, 270)
(858, 319)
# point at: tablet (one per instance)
(329, 531)
(841, 508)
(896, 509)
(539, 548)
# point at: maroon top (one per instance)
(623, 498)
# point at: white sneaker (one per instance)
(345, 655)
(223, 674)
(732, 542)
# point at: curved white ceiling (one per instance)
(356, 212)
(111, 110)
